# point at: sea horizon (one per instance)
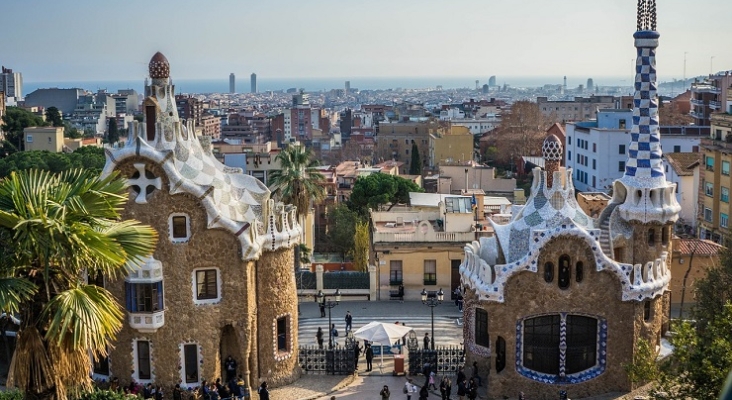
(265, 84)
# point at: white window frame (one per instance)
(194, 287)
(709, 189)
(199, 359)
(707, 214)
(135, 364)
(188, 228)
(725, 171)
(724, 194)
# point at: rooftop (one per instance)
(681, 162)
(700, 247)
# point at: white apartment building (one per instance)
(597, 150)
(11, 83)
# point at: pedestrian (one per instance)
(426, 370)
(349, 321)
(476, 375)
(263, 392)
(333, 336)
(432, 381)
(159, 395)
(460, 302)
(240, 387)
(322, 308)
(461, 375)
(319, 337)
(426, 341)
(385, 393)
(177, 392)
(356, 354)
(461, 390)
(230, 366)
(472, 390)
(445, 388)
(409, 388)
(458, 293)
(423, 393)
(369, 357)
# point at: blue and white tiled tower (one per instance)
(645, 194)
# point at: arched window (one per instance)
(548, 272)
(500, 354)
(565, 272)
(481, 328)
(652, 236)
(559, 348)
(579, 272)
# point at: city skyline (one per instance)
(328, 38)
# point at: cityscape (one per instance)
(387, 221)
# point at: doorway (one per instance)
(454, 277)
(229, 346)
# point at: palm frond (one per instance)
(85, 317)
(14, 292)
(31, 363)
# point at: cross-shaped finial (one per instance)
(142, 182)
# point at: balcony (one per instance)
(712, 144)
(419, 237)
(715, 105)
(705, 89)
(147, 322)
(697, 102)
(697, 115)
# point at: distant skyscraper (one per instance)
(348, 87)
(485, 89)
(492, 81)
(254, 82)
(477, 82)
(590, 85)
(232, 83)
(11, 83)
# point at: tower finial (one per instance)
(646, 18)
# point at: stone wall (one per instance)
(528, 294)
(277, 299)
(228, 327)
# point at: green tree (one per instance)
(88, 158)
(361, 244)
(71, 132)
(297, 182)
(53, 116)
(341, 229)
(702, 355)
(415, 166)
(15, 121)
(643, 369)
(375, 190)
(112, 132)
(52, 229)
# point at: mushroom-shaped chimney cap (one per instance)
(159, 66)
(552, 148)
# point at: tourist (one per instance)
(230, 366)
(349, 321)
(445, 388)
(423, 393)
(426, 341)
(431, 382)
(263, 392)
(334, 335)
(319, 337)
(369, 357)
(472, 389)
(476, 375)
(385, 393)
(409, 388)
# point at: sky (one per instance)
(86, 40)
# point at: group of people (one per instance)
(466, 388)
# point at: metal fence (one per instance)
(338, 361)
(305, 280)
(442, 360)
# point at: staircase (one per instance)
(605, 230)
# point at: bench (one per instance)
(397, 294)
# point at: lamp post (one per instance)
(432, 301)
(327, 303)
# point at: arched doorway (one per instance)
(229, 346)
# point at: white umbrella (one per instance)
(381, 332)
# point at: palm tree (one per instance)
(54, 228)
(297, 182)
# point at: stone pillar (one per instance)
(373, 282)
(319, 277)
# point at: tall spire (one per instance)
(644, 167)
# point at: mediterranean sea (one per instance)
(265, 84)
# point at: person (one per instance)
(159, 393)
(334, 335)
(460, 302)
(356, 354)
(205, 392)
(322, 308)
(349, 321)
(409, 388)
(263, 392)
(214, 392)
(458, 293)
(461, 390)
(426, 369)
(431, 383)
(426, 341)
(369, 357)
(472, 389)
(445, 388)
(385, 393)
(461, 375)
(240, 387)
(230, 365)
(423, 393)
(319, 337)
(476, 374)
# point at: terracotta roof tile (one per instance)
(681, 162)
(700, 247)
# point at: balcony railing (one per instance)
(147, 322)
(716, 105)
(431, 237)
(697, 115)
(697, 102)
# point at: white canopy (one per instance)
(381, 332)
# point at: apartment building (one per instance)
(714, 204)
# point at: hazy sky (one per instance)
(79, 40)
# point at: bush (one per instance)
(11, 394)
(98, 394)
